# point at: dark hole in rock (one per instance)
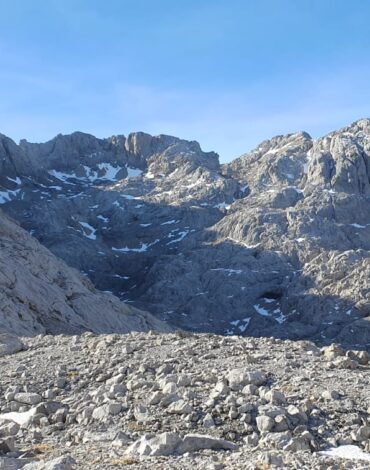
(275, 295)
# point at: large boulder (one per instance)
(10, 344)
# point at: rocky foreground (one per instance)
(181, 401)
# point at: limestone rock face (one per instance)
(275, 243)
(279, 162)
(41, 294)
(340, 161)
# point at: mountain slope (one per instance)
(41, 294)
(274, 243)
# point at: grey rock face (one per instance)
(274, 243)
(40, 294)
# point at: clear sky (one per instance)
(226, 73)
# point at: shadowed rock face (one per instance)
(274, 243)
(40, 294)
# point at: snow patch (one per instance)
(181, 237)
(133, 172)
(169, 222)
(8, 195)
(91, 231)
(130, 197)
(222, 205)
(245, 324)
(20, 418)
(121, 277)
(228, 271)
(144, 247)
(357, 225)
(110, 172)
(261, 311)
(17, 180)
(349, 452)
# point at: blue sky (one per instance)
(226, 73)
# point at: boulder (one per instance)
(10, 344)
(172, 444)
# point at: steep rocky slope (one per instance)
(175, 401)
(41, 294)
(274, 243)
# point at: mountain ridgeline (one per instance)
(275, 243)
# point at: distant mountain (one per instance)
(277, 242)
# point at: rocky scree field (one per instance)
(181, 401)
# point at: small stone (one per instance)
(362, 357)
(333, 351)
(330, 395)
(180, 407)
(361, 434)
(106, 410)
(49, 394)
(155, 398)
(28, 398)
(264, 423)
(208, 421)
(252, 439)
(238, 378)
(60, 463)
(275, 397)
(121, 440)
(60, 382)
(6, 446)
(128, 349)
(345, 363)
(250, 390)
(281, 423)
(270, 460)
